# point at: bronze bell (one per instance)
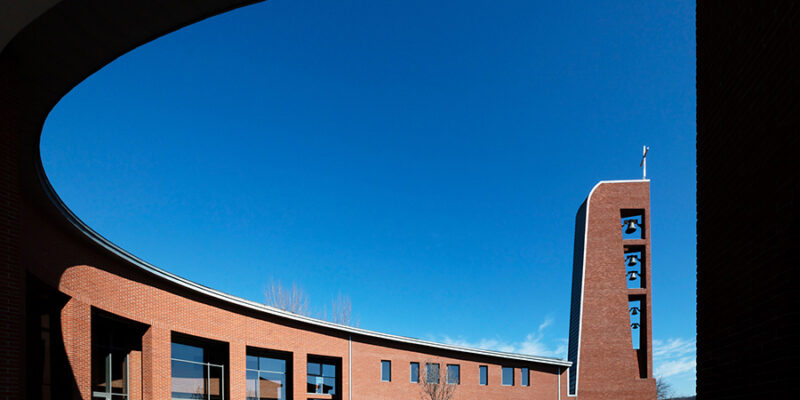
(632, 276)
(631, 226)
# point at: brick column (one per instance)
(156, 365)
(135, 375)
(299, 371)
(76, 328)
(237, 371)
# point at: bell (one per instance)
(631, 226)
(633, 260)
(632, 276)
(635, 325)
(634, 310)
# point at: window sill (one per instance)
(319, 396)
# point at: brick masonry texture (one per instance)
(748, 124)
(607, 366)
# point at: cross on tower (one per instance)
(643, 164)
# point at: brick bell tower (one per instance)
(610, 335)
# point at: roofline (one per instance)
(92, 235)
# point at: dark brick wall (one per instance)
(575, 302)
(12, 277)
(747, 197)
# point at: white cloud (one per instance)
(674, 347)
(675, 367)
(676, 358)
(547, 322)
(533, 344)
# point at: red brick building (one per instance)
(83, 319)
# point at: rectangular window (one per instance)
(386, 371)
(112, 340)
(196, 369)
(322, 376)
(453, 374)
(267, 375)
(110, 375)
(431, 373)
(508, 376)
(525, 379)
(483, 372)
(415, 372)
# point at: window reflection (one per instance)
(321, 377)
(193, 376)
(266, 378)
(508, 376)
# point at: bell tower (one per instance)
(610, 338)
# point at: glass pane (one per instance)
(314, 384)
(186, 352)
(252, 362)
(432, 373)
(525, 376)
(119, 362)
(272, 364)
(314, 369)
(271, 386)
(414, 372)
(329, 370)
(188, 380)
(386, 371)
(329, 386)
(99, 363)
(252, 381)
(453, 374)
(508, 376)
(484, 372)
(215, 383)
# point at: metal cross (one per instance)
(643, 164)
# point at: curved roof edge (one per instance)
(204, 290)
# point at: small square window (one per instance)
(508, 376)
(386, 371)
(415, 372)
(453, 374)
(431, 373)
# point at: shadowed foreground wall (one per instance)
(747, 198)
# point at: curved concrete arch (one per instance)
(46, 49)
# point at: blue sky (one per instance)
(426, 160)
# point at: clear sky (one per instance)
(425, 158)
